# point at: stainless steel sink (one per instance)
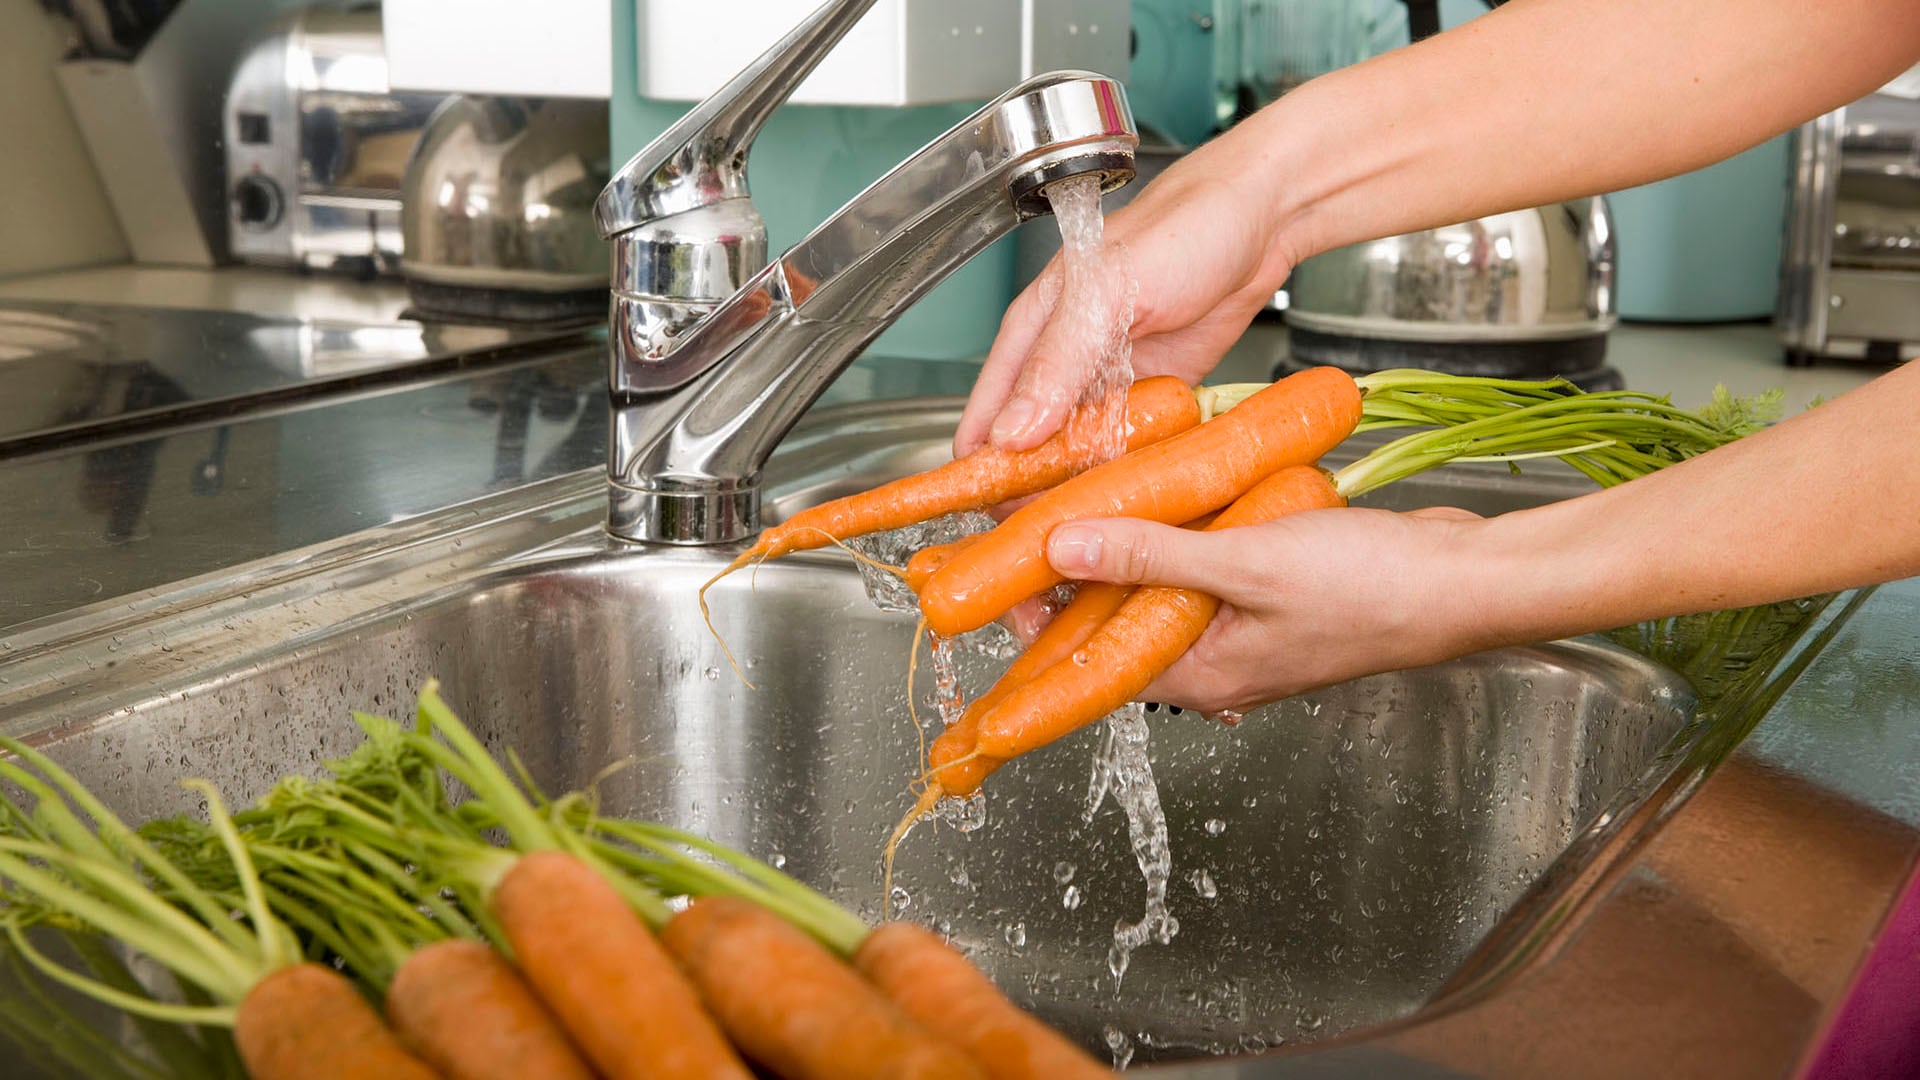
(1334, 857)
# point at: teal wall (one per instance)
(807, 162)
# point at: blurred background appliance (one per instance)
(1852, 276)
(143, 81)
(497, 211)
(1524, 294)
(316, 144)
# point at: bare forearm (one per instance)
(1825, 501)
(1543, 100)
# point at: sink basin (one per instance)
(1334, 858)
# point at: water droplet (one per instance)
(965, 815)
(958, 875)
(1215, 826)
(1017, 935)
(1062, 872)
(711, 672)
(777, 861)
(1071, 898)
(901, 900)
(1203, 884)
(1119, 1045)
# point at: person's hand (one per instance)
(1200, 241)
(1307, 601)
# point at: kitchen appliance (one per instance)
(1850, 282)
(152, 121)
(496, 210)
(1523, 294)
(317, 144)
(1518, 295)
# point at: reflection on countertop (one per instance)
(101, 520)
(78, 370)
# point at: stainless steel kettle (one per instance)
(1521, 294)
(496, 211)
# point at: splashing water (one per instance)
(895, 546)
(1119, 1046)
(1122, 769)
(1092, 315)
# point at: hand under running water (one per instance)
(1204, 268)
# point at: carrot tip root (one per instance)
(756, 552)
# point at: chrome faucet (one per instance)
(716, 352)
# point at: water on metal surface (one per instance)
(1331, 860)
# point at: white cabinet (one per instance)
(904, 52)
(536, 48)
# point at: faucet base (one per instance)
(705, 515)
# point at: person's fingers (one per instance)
(1061, 363)
(1026, 317)
(1026, 619)
(1444, 513)
(1193, 684)
(1142, 553)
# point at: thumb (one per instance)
(1134, 553)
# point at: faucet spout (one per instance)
(702, 397)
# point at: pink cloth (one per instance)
(1876, 1033)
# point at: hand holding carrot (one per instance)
(1308, 601)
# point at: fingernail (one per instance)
(1014, 420)
(1074, 549)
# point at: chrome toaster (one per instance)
(317, 145)
(1850, 283)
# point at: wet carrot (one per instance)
(1157, 408)
(1153, 628)
(1292, 422)
(604, 975)
(462, 1007)
(794, 1007)
(1092, 604)
(928, 560)
(307, 1022)
(943, 991)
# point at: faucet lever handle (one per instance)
(702, 158)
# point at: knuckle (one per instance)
(1140, 558)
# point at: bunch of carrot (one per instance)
(558, 955)
(1244, 455)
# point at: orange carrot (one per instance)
(1292, 422)
(928, 560)
(943, 991)
(605, 976)
(1092, 605)
(794, 1007)
(307, 1022)
(1157, 408)
(461, 1006)
(1153, 628)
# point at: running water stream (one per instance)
(1095, 310)
(1092, 300)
